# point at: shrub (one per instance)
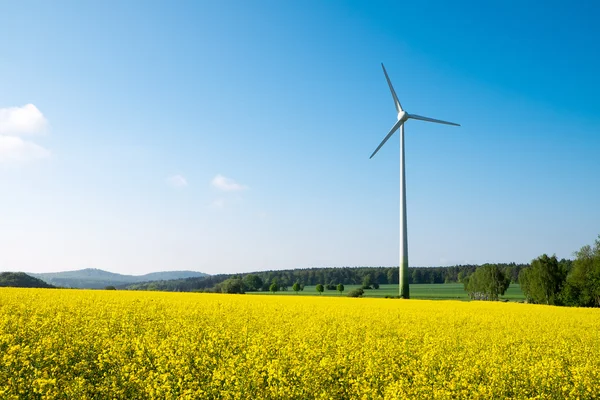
(356, 293)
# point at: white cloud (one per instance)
(22, 120)
(177, 181)
(16, 121)
(226, 184)
(15, 149)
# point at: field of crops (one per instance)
(107, 344)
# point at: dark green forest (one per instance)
(21, 279)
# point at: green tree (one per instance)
(392, 275)
(340, 288)
(508, 272)
(585, 275)
(367, 281)
(273, 288)
(375, 285)
(296, 287)
(232, 286)
(487, 283)
(320, 288)
(543, 280)
(253, 282)
(525, 279)
(465, 282)
(110, 287)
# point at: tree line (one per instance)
(285, 279)
(566, 283)
(547, 280)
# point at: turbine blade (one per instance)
(389, 135)
(438, 121)
(396, 101)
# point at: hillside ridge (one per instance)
(94, 278)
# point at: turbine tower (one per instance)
(403, 116)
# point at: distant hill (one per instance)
(92, 278)
(21, 279)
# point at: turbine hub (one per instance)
(402, 115)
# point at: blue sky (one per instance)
(235, 136)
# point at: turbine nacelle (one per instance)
(403, 116)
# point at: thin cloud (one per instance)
(177, 181)
(24, 120)
(226, 184)
(15, 149)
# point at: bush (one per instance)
(356, 293)
(110, 288)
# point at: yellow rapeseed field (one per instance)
(145, 345)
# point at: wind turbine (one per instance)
(403, 116)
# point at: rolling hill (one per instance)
(92, 278)
(21, 279)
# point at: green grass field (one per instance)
(446, 291)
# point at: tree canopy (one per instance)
(543, 281)
(253, 282)
(488, 282)
(232, 286)
(564, 282)
(320, 288)
(583, 283)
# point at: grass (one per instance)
(446, 291)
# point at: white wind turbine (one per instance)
(403, 116)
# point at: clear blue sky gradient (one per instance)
(288, 99)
